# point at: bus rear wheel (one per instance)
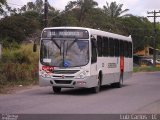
(56, 89)
(120, 83)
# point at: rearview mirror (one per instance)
(34, 47)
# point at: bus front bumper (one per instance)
(87, 82)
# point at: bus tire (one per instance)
(120, 83)
(56, 89)
(97, 88)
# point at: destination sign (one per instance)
(65, 33)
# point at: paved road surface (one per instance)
(140, 94)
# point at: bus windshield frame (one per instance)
(66, 52)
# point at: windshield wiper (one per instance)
(68, 47)
(55, 42)
(59, 47)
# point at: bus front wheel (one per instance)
(97, 88)
(56, 89)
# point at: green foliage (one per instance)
(84, 8)
(2, 2)
(16, 28)
(10, 45)
(114, 10)
(20, 57)
(19, 66)
(140, 29)
(37, 6)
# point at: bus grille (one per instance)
(63, 81)
(65, 71)
(60, 76)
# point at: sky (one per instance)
(136, 7)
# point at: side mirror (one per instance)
(34, 47)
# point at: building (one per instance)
(148, 51)
(145, 56)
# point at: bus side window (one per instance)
(128, 53)
(105, 46)
(116, 47)
(121, 48)
(130, 50)
(94, 50)
(111, 46)
(99, 45)
(125, 49)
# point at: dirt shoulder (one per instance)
(16, 89)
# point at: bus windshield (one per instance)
(64, 53)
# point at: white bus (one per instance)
(78, 57)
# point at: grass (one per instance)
(146, 69)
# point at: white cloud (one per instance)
(152, 4)
(18, 3)
(59, 4)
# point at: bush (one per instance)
(20, 57)
(10, 44)
(18, 66)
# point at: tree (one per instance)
(30, 6)
(2, 2)
(35, 10)
(37, 6)
(16, 28)
(114, 10)
(140, 29)
(85, 6)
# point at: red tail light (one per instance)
(48, 69)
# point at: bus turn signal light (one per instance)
(48, 69)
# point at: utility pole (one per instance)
(0, 50)
(46, 13)
(154, 16)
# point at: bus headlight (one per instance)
(82, 74)
(44, 74)
(46, 71)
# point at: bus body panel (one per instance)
(109, 66)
